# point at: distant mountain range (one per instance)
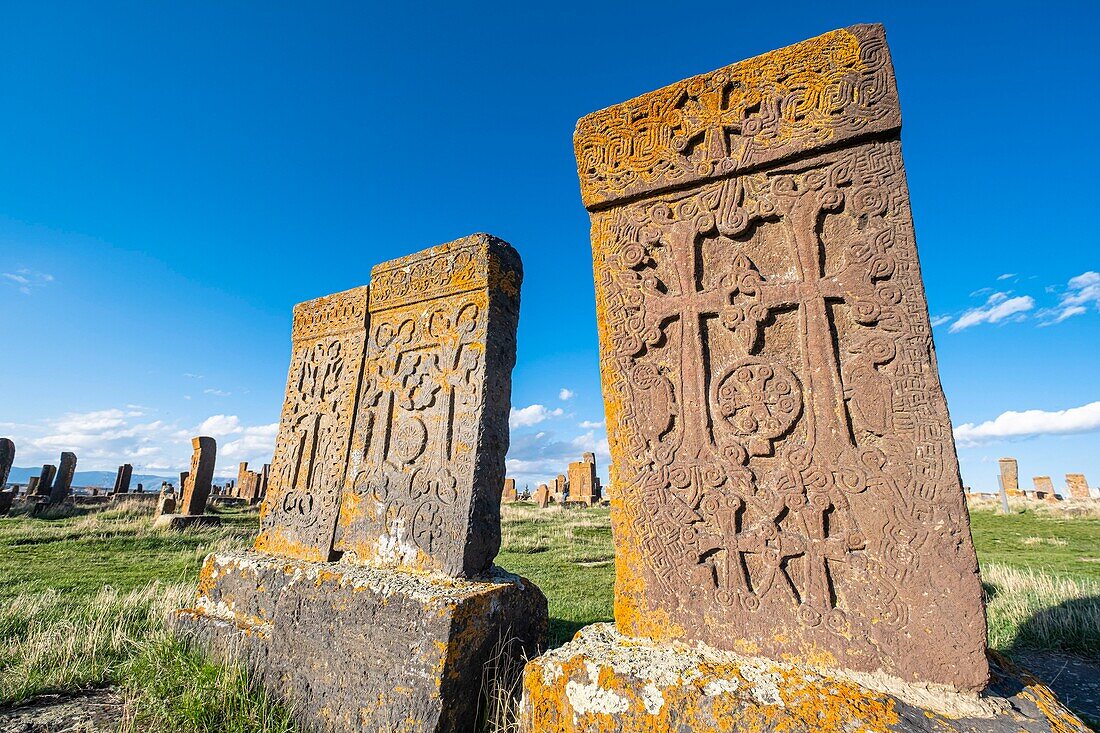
(101, 479)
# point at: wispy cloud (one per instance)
(591, 424)
(1081, 293)
(566, 394)
(1006, 276)
(189, 375)
(217, 392)
(532, 415)
(26, 280)
(997, 308)
(1028, 423)
(940, 320)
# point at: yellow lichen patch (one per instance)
(275, 542)
(1060, 719)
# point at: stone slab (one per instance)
(785, 476)
(196, 487)
(602, 682)
(1077, 486)
(355, 648)
(180, 522)
(7, 458)
(298, 515)
(427, 464)
(63, 483)
(6, 500)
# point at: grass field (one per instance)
(83, 597)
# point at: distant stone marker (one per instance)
(1010, 476)
(32, 485)
(1076, 484)
(560, 485)
(298, 516)
(584, 485)
(63, 483)
(248, 484)
(508, 495)
(45, 480)
(388, 637)
(7, 458)
(542, 496)
(1044, 487)
(423, 490)
(122, 479)
(191, 506)
(786, 478)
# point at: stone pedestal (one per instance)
(354, 648)
(183, 521)
(602, 681)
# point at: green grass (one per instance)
(83, 598)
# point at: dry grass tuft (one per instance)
(1030, 610)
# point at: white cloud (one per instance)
(940, 320)
(26, 280)
(997, 308)
(189, 375)
(566, 394)
(1081, 292)
(216, 425)
(591, 424)
(1012, 424)
(531, 415)
(535, 458)
(217, 392)
(1006, 276)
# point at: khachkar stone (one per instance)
(1044, 487)
(45, 480)
(785, 484)
(560, 485)
(1076, 485)
(423, 491)
(298, 516)
(63, 482)
(191, 507)
(583, 482)
(7, 458)
(354, 646)
(122, 479)
(508, 495)
(248, 484)
(1010, 476)
(542, 496)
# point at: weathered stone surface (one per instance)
(6, 499)
(1044, 486)
(561, 485)
(122, 479)
(1076, 485)
(603, 682)
(298, 516)
(249, 484)
(166, 503)
(32, 485)
(508, 495)
(542, 496)
(366, 649)
(45, 480)
(196, 488)
(423, 489)
(1010, 476)
(785, 480)
(7, 457)
(583, 482)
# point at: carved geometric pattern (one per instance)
(785, 476)
(298, 517)
(424, 488)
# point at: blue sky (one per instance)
(176, 177)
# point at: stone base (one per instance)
(183, 521)
(602, 682)
(133, 496)
(352, 648)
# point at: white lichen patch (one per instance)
(763, 681)
(394, 548)
(652, 698)
(587, 699)
(551, 671)
(715, 687)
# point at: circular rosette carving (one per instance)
(410, 438)
(299, 509)
(757, 403)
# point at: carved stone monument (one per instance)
(394, 432)
(63, 483)
(1044, 487)
(560, 487)
(7, 458)
(1076, 485)
(786, 483)
(584, 485)
(45, 481)
(122, 479)
(509, 494)
(1010, 477)
(191, 505)
(542, 496)
(249, 484)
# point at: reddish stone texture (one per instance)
(786, 482)
(1010, 477)
(7, 457)
(122, 479)
(196, 489)
(509, 494)
(312, 450)
(584, 485)
(1044, 487)
(1077, 486)
(427, 470)
(542, 496)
